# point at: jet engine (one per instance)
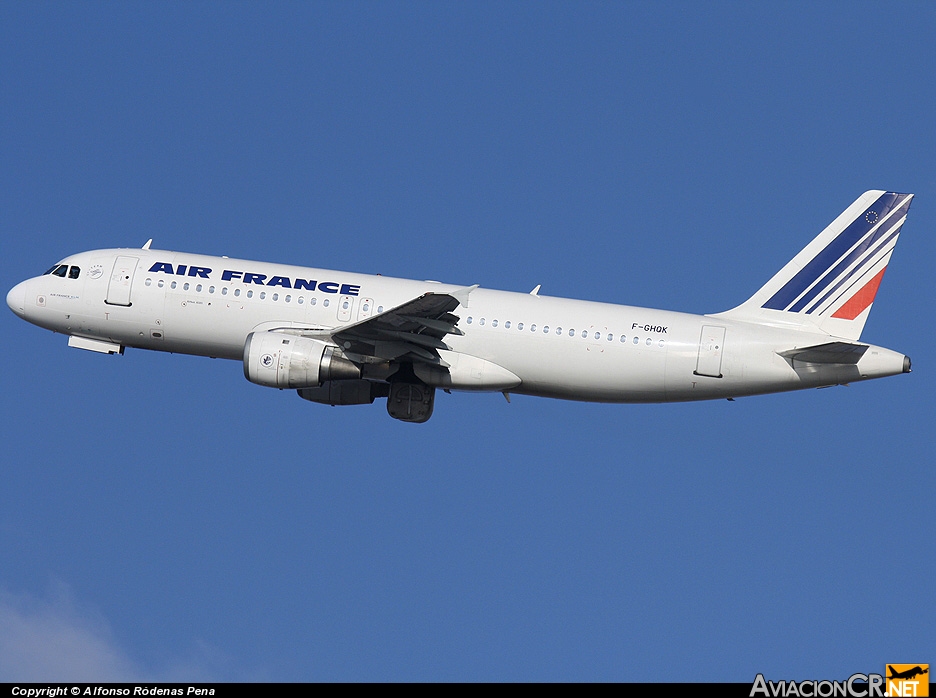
(280, 360)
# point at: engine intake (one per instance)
(279, 360)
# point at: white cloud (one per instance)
(55, 641)
(51, 642)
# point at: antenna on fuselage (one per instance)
(148, 243)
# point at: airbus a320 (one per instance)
(342, 338)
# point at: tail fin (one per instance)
(830, 285)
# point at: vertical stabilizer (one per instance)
(830, 285)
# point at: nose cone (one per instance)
(16, 299)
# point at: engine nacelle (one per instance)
(279, 360)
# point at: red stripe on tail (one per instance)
(857, 304)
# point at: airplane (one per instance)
(908, 674)
(341, 338)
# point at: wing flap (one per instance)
(414, 329)
(437, 325)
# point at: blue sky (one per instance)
(163, 519)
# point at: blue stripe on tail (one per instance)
(821, 263)
(860, 250)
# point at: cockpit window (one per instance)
(63, 270)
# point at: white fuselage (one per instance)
(561, 348)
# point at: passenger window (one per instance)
(185, 286)
(73, 272)
(379, 308)
(623, 338)
(301, 300)
(288, 298)
(236, 292)
(198, 288)
(636, 340)
(610, 337)
(649, 341)
(532, 328)
(224, 290)
(325, 302)
(519, 326)
(161, 283)
(493, 323)
(173, 285)
(571, 333)
(344, 305)
(597, 335)
(250, 294)
(148, 282)
(470, 319)
(276, 296)
(211, 289)
(545, 329)
(262, 295)
(481, 321)
(313, 301)
(584, 334)
(507, 325)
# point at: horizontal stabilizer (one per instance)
(831, 353)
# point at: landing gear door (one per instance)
(711, 347)
(121, 280)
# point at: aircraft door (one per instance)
(711, 347)
(345, 306)
(366, 309)
(595, 339)
(121, 280)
